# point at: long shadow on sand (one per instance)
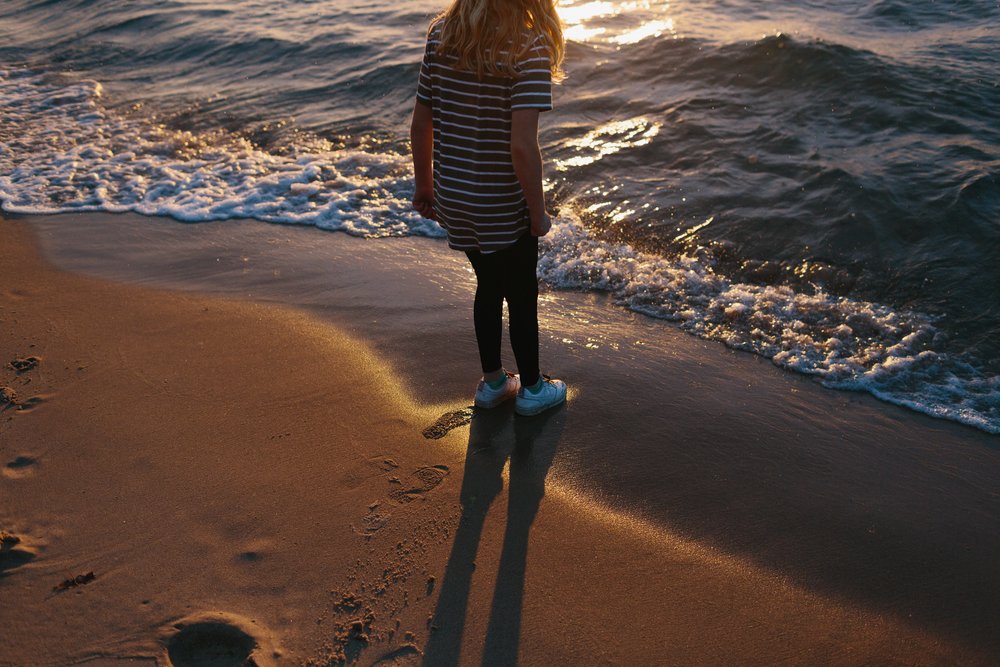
(530, 444)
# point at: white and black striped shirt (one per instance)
(477, 197)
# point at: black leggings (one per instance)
(508, 274)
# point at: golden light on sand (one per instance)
(615, 22)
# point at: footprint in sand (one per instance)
(24, 364)
(418, 483)
(31, 403)
(407, 654)
(383, 463)
(13, 553)
(8, 397)
(22, 466)
(220, 640)
(447, 422)
(255, 551)
(372, 522)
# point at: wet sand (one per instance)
(245, 477)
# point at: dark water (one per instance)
(817, 183)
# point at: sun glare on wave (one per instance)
(615, 22)
(608, 139)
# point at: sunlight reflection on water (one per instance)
(608, 139)
(615, 22)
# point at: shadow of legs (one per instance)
(481, 483)
(535, 442)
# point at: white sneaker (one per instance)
(487, 397)
(551, 394)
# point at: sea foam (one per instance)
(63, 150)
(848, 343)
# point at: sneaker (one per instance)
(487, 397)
(551, 394)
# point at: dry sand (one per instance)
(242, 479)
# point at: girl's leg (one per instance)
(487, 312)
(520, 287)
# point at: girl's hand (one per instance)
(423, 203)
(542, 227)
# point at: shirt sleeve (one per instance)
(424, 90)
(533, 85)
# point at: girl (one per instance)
(487, 72)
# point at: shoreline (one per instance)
(751, 442)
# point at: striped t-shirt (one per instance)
(477, 197)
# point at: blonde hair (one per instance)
(487, 35)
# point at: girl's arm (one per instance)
(527, 159)
(422, 147)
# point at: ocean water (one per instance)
(818, 183)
